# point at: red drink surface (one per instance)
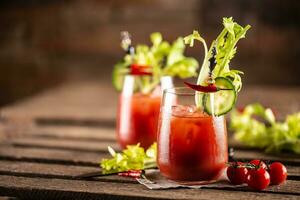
(137, 119)
(193, 147)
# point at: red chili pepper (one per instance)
(136, 173)
(241, 109)
(209, 88)
(140, 70)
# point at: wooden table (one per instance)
(48, 139)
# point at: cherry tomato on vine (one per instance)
(278, 173)
(237, 173)
(258, 179)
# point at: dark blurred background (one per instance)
(44, 43)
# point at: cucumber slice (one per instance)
(224, 100)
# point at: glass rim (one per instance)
(182, 91)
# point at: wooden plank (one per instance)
(46, 170)
(86, 122)
(39, 188)
(71, 158)
(74, 133)
(102, 147)
(80, 158)
(289, 159)
(76, 158)
(59, 171)
(50, 170)
(99, 146)
(77, 100)
(8, 198)
(51, 156)
(53, 143)
(98, 100)
(293, 171)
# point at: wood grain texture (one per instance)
(80, 100)
(53, 143)
(50, 188)
(101, 146)
(8, 198)
(289, 159)
(49, 139)
(73, 133)
(71, 158)
(51, 156)
(97, 100)
(58, 171)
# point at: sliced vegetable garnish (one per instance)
(223, 101)
(209, 88)
(217, 58)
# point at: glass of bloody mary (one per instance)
(138, 112)
(192, 144)
(141, 75)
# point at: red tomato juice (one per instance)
(137, 119)
(193, 147)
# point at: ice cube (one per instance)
(191, 109)
(184, 110)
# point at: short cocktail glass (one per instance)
(192, 144)
(138, 112)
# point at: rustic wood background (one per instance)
(48, 139)
(62, 51)
(45, 42)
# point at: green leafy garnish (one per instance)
(204, 71)
(257, 127)
(164, 58)
(222, 50)
(133, 157)
(225, 46)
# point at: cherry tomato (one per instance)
(258, 179)
(256, 162)
(278, 173)
(236, 173)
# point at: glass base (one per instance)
(191, 183)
